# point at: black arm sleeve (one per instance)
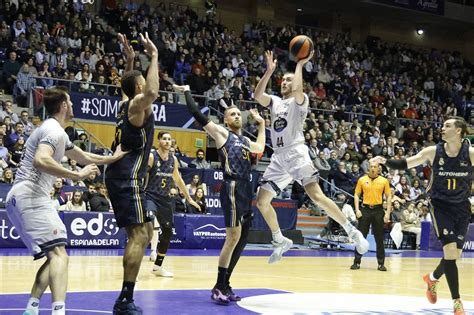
(397, 164)
(194, 110)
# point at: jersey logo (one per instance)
(441, 161)
(280, 124)
(463, 163)
(158, 164)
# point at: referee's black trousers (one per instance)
(372, 216)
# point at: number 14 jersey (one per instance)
(287, 122)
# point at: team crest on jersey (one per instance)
(280, 124)
(441, 161)
(158, 164)
(463, 163)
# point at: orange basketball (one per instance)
(301, 46)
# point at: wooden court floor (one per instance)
(294, 274)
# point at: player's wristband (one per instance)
(194, 110)
(397, 164)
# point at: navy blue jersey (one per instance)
(235, 157)
(136, 140)
(452, 176)
(160, 179)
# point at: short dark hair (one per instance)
(459, 122)
(53, 98)
(129, 80)
(162, 133)
(200, 151)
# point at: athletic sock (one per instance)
(347, 226)
(438, 272)
(58, 308)
(33, 306)
(221, 278)
(277, 236)
(127, 292)
(159, 260)
(452, 277)
(227, 278)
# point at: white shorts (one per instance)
(289, 165)
(35, 219)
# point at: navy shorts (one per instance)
(451, 221)
(128, 202)
(162, 209)
(236, 201)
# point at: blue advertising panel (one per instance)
(93, 229)
(205, 231)
(105, 108)
(8, 235)
(179, 237)
(430, 241)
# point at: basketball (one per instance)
(300, 47)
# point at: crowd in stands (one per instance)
(366, 99)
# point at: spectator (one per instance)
(177, 201)
(27, 124)
(195, 184)
(58, 194)
(199, 198)
(44, 72)
(200, 161)
(24, 83)
(12, 138)
(17, 151)
(411, 222)
(76, 203)
(11, 67)
(7, 177)
(98, 202)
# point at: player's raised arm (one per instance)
(218, 133)
(144, 100)
(297, 84)
(259, 145)
(260, 95)
(427, 154)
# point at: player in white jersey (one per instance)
(29, 205)
(290, 160)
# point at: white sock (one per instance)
(347, 226)
(33, 306)
(58, 308)
(432, 278)
(277, 236)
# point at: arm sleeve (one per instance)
(194, 110)
(397, 164)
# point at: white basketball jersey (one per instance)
(287, 121)
(51, 133)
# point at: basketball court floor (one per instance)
(305, 281)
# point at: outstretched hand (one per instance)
(127, 48)
(378, 160)
(119, 153)
(305, 60)
(256, 116)
(150, 48)
(271, 63)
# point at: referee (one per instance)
(373, 187)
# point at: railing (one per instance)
(202, 100)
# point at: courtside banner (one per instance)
(205, 231)
(105, 108)
(179, 236)
(8, 235)
(435, 244)
(93, 229)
